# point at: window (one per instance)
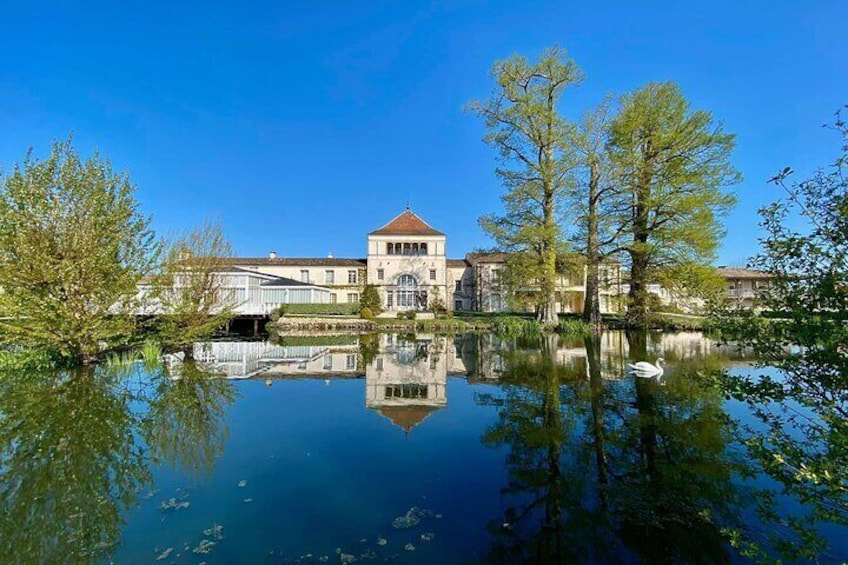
(459, 285)
(379, 363)
(328, 362)
(389, 304)
(333, 298)
(329, 277)
(351, 277)
(380, 274)
(350, 362)
(390, 249)
(457, 305)
(406, 391)
(407, 281)
(432, 274)
(353, 297)
(422, 249)
(304, 276)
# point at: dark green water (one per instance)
(419, 449)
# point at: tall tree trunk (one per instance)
(592, 303)
(637, 309)
(547, 313)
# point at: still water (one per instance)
(412, 449)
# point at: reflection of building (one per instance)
(406, 381)
(244, 359)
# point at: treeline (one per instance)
(74, 247)
(640, 178)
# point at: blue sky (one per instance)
(302, 126)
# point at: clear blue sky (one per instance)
(304, 125)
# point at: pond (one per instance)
(411, 449)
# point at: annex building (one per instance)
(407, 261)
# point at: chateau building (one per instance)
(408, 263)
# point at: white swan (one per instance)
(645, 369)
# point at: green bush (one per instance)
(366, 313)
(572, 326)
(515, 327)
(410, 314)
(370, 299)
(349, 309)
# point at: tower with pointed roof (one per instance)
(407, 263)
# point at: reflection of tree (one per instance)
(70, 466)
(602, 470)
(184, 424)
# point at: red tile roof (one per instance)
(407, 223)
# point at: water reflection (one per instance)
(598, 465)
(72, 464)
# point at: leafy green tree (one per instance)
(73, 246)
(597, 203)
(673, 164)
(370, 298)
(803, 407)
(437, 302)
(526, 128)
(190, 289)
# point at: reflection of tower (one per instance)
(406, 381)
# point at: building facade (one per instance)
(407, 261)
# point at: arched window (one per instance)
(415, 249)
(390, 248)
(407, 249)
(407, 293)
(407, 281)
(423, 249)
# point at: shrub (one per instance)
(349, 309)
(410, 314)
(366, 313)
(572, 326)
(370, 299)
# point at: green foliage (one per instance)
(370, 298)
(346, 309)
(437, 303)
(572, 327)
(73, 246)
(524, 125)
(512, 327)
(805, 247)
(366, 313)
(190, 290)
(673, 163)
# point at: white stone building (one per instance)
(407, 261)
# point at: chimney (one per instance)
(272, 255)
(330, 255)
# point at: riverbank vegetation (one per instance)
(74, 248)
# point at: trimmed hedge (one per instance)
(348, 309)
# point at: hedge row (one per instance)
(347, 309)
